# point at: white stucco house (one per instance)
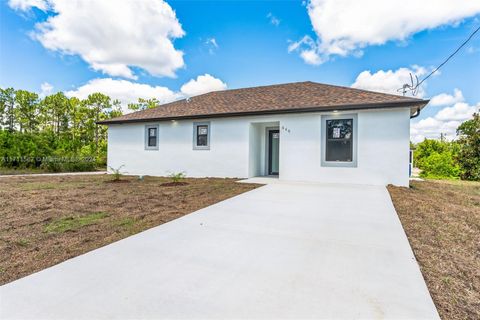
(301, 131)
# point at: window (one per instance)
(339, 141)
(201, 135)
(151, 137)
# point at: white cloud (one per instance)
(202, 84)
(128, 92)
(460, 111)
(212, 45)
(46, 89)
(390, 81)
(123, 90)
(345, 27)
(273, 20)
(212, 41)
(444, 99)
(111, 36)
(25, 5)
(308, 50)
(445, 122)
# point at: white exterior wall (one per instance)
(238, 148)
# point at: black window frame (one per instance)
(202, 138)
(148, 138)
(330, 139)
(353, 139)
(205, 145)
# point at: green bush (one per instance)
(426, 148)
(73, 165)
(437, 159)
(469, 151)
(440, 165)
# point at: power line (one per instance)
(413, 88)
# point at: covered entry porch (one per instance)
(264, 149)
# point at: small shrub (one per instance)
(177, 177)
(76, 165)
(79, 166)
(117, 173)
(51, 166)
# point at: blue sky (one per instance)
(251, 47)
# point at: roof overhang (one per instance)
(415, 106)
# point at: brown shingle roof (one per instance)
(274, 99)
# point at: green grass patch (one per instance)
(13, 171)
(126, 222)
(129, 224)
(30, 186)
(22, 242)
(438, 177)
(37, 186)
(74, 222)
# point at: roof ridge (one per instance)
(299, 82)
(274, 98)
(255, 87)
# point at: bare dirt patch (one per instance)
(173, 184)
(46, 220)
(442, 222)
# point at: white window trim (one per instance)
(195, 125)
(149, 126)
(323, 127)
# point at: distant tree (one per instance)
(54, 113)
(26, 110)
(469, 154)
(7, 106)
(116, 109)
(143, 104)
(98, 107)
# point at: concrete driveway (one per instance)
(280, 251)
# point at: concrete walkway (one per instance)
(280, 251)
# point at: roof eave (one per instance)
(414, 105)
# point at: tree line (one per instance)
(56, 132)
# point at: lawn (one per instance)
(442, 222)
(47, 220)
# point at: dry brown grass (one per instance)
(442, 222)
(46, 220)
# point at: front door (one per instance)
(273, 151)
